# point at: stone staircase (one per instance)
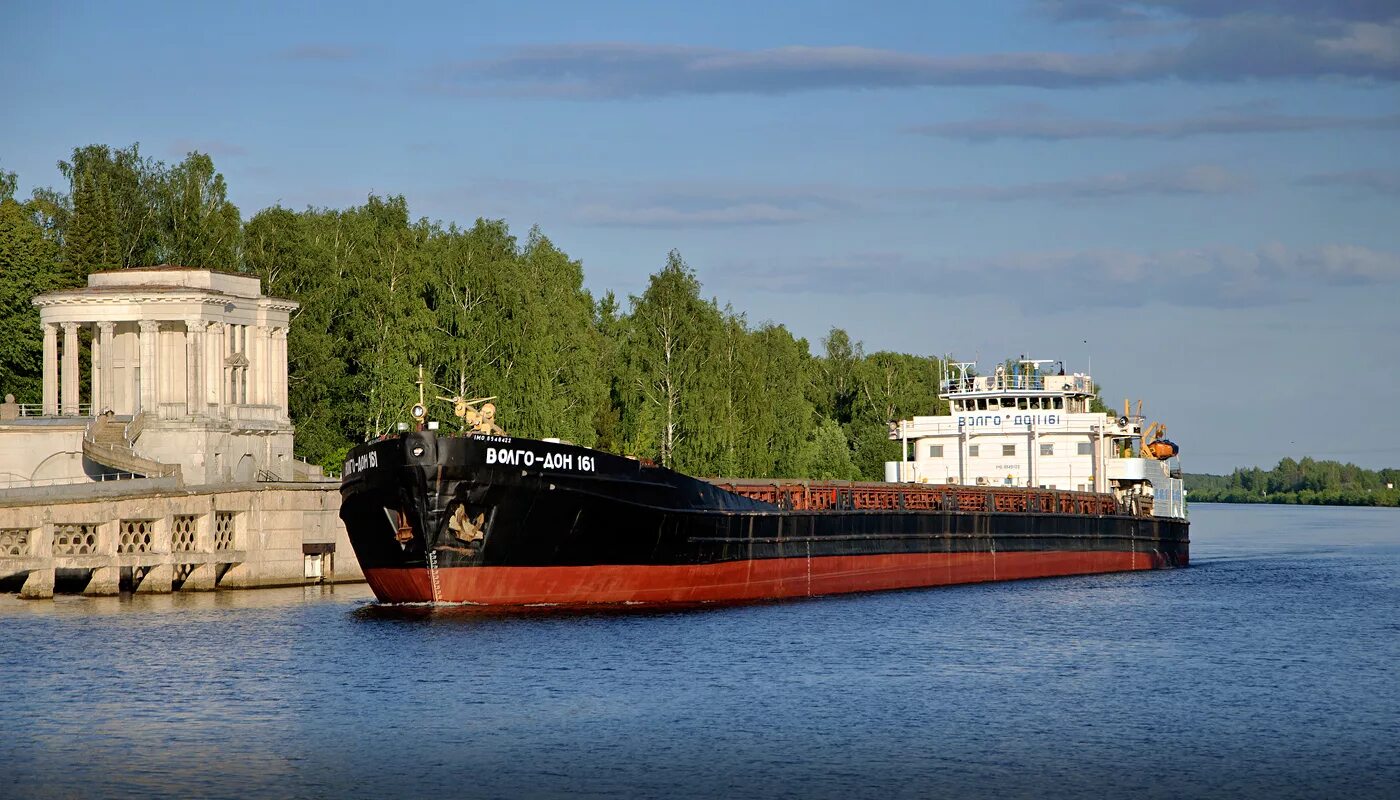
(109, 442)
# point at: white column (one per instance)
(252, 349)
(68, 382)
(214, 381)
(194, 367)
(237, 376)
(103, 399)
(95, 373)
(149, 365)
(232, 393)
(259, 369)
(279, 369)
(50, 370)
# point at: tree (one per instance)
(786, 418)
(831, 454)
(607, 416)
(27, 261)
(558, 388)
(302, 256)
(836, 395)
(199, 227)
(110, 217)
(670, 342)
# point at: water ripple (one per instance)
(1265, 670)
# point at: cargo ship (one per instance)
(1020, 479)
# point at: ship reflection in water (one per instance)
(1265, 670)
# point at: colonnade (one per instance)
(226, 365)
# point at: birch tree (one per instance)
(669, 343)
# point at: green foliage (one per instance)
(668, 350)
(695, 387)
(382, 295)
(865, 393)
(1304, 482)
(302, 256)
(27, 262)
(109, 217)
(673, 377)
(831, 454)
(123, 209)
(199, 227)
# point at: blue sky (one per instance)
(1204, 202)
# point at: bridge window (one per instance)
(1008, 449)
(1086, 448)
(972, 451)
(935, 451)
(1047, 449)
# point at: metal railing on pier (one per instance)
(37, 410)
(66, 481)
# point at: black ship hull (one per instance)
(499, 521)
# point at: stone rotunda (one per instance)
(188, 369)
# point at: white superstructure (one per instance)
(1028, 426)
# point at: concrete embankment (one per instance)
(151, 536)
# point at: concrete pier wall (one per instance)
(157, 538)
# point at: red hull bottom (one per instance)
(734, 581)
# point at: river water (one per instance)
(1270, 667)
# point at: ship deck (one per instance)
(803, 495)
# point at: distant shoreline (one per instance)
(1273, 502)
(1381, 499)
(1305, 482)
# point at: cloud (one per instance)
(1207, 47)
(660, 203)
(1261, 47)
(716, 203)
(665, 217)
(1114, 10)
(1213, 276)
(609, 70)
(1383, 181)
(213, 147)
(1050, 127)
(713, 204)
(322, 52)
(1205, 179)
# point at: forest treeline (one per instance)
(1303, 482)
(668, 375)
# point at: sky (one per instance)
(1199, 200)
